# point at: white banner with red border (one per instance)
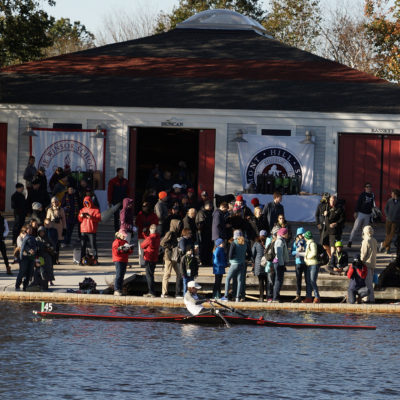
(77, 149)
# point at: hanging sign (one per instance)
(277, 157)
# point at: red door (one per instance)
(360, 161)
(206, 161)
(390, 169)
(3, 165)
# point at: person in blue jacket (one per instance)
(219, 264)
(299, 246)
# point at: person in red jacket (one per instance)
(144, 219)
(150, 246)
(120, 254)
(357, 273)
(89, 217)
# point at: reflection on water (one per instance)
(79, 359)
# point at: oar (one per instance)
(230, 308)
(228, 325)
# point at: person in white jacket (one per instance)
(369, 248)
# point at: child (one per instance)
(357, 274)
(299, 246)
(151, 246)
(219, 264)
(120, 255)
(339, 260)
(3, 234)
(259, 271)
(189, 266)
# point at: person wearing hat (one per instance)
(299, 246)
(237, 269)
(369, 248)
(38, 213)
(161, 210)
(339, 262)
(120, 255)
(311, 260)
(176, 195)
(192, 300)
(240, 208)
(219, 264)
(357, 287)
(256, 203)
(280, 261)
(257, 252)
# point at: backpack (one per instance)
(269, 252)
(322, 256)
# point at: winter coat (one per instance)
(143, 222)
(357, 277)
(70, 204)
(237, 253)
(298, 245)
(272, 210)
(219, 261)
(218, 225)
(281, 251)
(335, 215)
(311, 253)
(189, 266)
(55, 214)
(39, 196)
(117, 190)
(257, 252)
(369, 248)
(89, 225)
(151, 246)
(170, 240)
(190, 223)
(126, 215)
(392, 210)
(19, 204)
(365, 203)
(120, 255)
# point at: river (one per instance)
(81, 359)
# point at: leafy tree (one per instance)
(23, 30)
(295, 22)
(187, 8)
(68, 37)
(383, 27)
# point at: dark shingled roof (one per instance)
(197, 68)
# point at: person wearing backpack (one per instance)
(299, 245)
(257, 253)
(170, 245)
(280, 261)
(311, 261)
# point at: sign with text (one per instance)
(277, 157)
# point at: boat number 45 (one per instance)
(47, 307)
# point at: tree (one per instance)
(67, 38)
(23, 30)
(383, 27)
(187, 8)
(295, 22)
(347, 42)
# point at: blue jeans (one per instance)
(279, 273)
(300, 269)
(26, 267)
(311, 280)
(120, 268)
(236, 272)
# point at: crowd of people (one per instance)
(187, 232)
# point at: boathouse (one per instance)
(193, 94)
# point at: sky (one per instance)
(92, 13)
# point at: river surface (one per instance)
(82, 359)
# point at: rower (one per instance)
(192, 300)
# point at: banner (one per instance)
(76, 149)
(276, 156)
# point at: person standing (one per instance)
(363, 211)
(70, 205)
(116, 193)
(89, 217)
(161, 210)
(279, 262)
(30, 172)
(258, 251)
(369, 248)
(189, 222)
(392, 212)
(3, 234)
(170, 246)
(299, 246)
(219, 264)
(41, 177)
(19, 205)
(319, 212)
(219, 222)
(333, 224)
(150, 247)
(273, 209)
(56, 216)
(144, 219)
(27, 260)
(37, 195)
(120, 254)
(311, 261)
(204, 233)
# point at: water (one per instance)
(81, 359)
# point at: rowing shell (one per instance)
(202, 319)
